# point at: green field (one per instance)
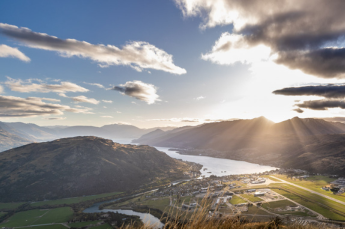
(82, 224)
(4, 206)
(160, 204)
(278, 204)
(312, 205)
(253, 210)
(2, 213)
(315, 183)
(39, 216)
(103, 226)
(55, 226)
(251, 197)
(237, 200)
(73, 200)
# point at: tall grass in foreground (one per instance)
(202, 218)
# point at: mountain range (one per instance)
(22, 133)
(312, 144)
(82, 166)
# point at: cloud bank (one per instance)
(306, 35)
(11, 106)
(139, 90)
(327, 91)
(137, 54)
(28, 86)
(7, 51)
(322, 104)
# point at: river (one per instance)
(145, 217)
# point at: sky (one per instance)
(170, 63)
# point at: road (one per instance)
(306, 189)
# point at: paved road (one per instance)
(314, 192)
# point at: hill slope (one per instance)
(312, 144)
(81, 166)
(9, 140)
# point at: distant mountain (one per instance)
(7, 127)
(82, 166)
(33, 131)
(213, 135)
(112, 131)
(307, 126)
(153, 134)
(312, 144)
(10, 140)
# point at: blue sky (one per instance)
(210, 90)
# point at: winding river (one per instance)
(211, 166)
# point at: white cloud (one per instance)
(200, 98)
(28, 86)
(232, 48)
(139, 90)
(106, 116)
(137, 54)
(197, 120)
(47, 99)
(1, 89)
(55, 118)
(178, 120)
(84, 99)
(107, 101)
(63, 95)
(11, 106)
(7, 51)
(95, 84)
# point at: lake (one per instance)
(218, 166)
(215, 166)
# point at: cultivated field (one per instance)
(39, 216)
(73, 200)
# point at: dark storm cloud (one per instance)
(322, 104)
(327, 91)
(326, 63)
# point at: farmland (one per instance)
(39, 216)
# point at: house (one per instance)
(259, 194)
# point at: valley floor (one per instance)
(253, 197)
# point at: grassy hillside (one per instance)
(82, 166)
